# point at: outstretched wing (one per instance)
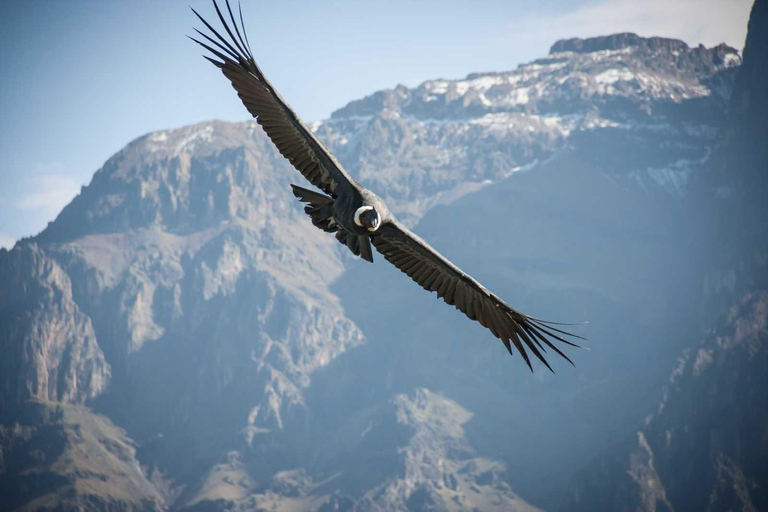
(292, 138)
(435, 273)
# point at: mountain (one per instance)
(702, 446)
(182, 338)
(656, 102)
(739, 172)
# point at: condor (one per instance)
(356, 215)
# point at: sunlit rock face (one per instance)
(172, 296)
(183, 321)
(50, 350)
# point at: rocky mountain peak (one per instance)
(578, 74)
(182, 180)
(617, 42)
(456, 135)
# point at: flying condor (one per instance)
(356, 215)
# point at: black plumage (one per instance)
(356, 215)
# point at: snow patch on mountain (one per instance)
(612, 89)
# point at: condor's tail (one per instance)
(320, 209)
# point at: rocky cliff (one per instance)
(702, 445)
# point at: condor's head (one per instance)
(367, 217)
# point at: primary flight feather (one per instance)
(356, 215)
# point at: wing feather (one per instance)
(435, 273)
(281, 124)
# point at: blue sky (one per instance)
(82, 78)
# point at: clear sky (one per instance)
(82, 78)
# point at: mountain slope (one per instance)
(190, 291)
(64, 457)
(702, 447)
